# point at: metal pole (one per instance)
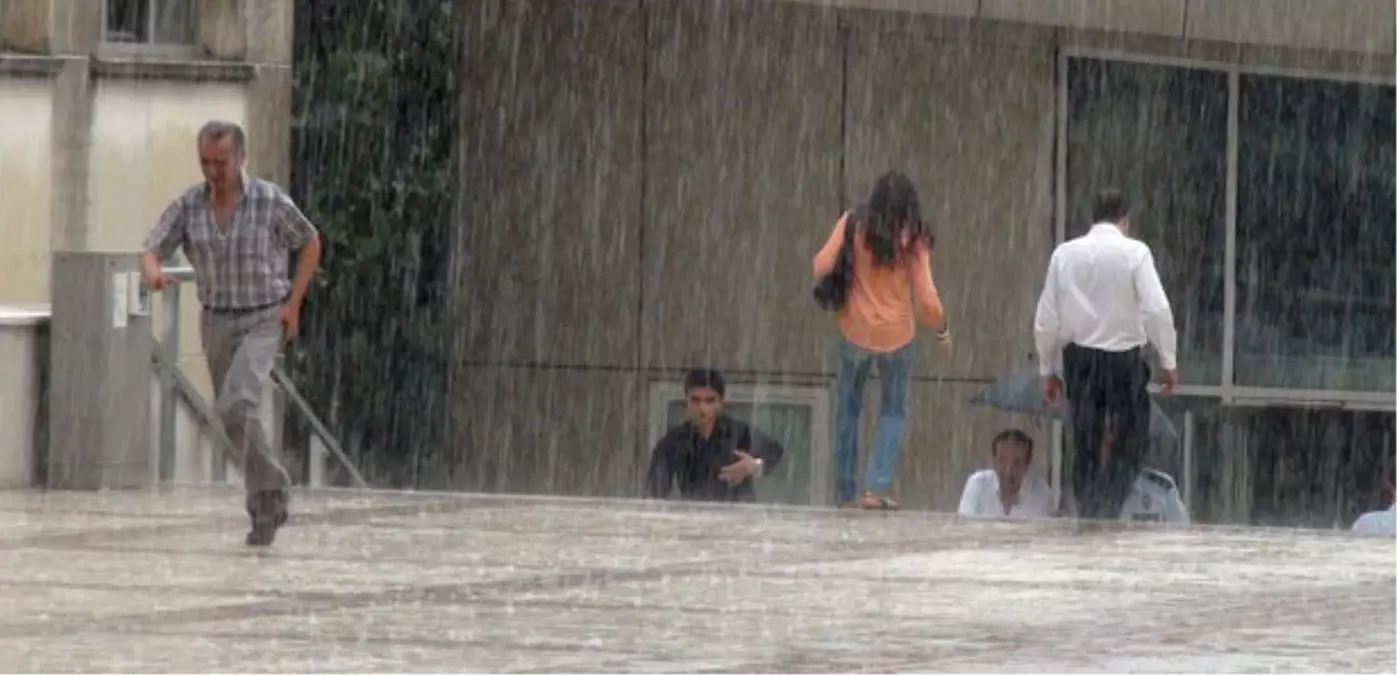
(1229, 283)
(277, 399)
(170, 349)
(1189, 440)
(1056, 469)
(294, 398)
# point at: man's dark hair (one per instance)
(706, 378)
(221, 129)
(1110, 207)
(1013, 436)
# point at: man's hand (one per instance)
(159, 281)
(153, 274)
(1052, 389)
(1170, 381)
(291, 320)
(943, 340)
(745, 467)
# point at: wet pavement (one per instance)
(160, 582)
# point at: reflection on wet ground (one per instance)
(160, 582)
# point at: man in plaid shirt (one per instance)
(238, 233)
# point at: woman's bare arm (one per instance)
(829, 253)
(928, 300)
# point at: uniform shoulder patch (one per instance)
(1158, 479)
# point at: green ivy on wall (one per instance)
(374, 130)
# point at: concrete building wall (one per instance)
(644, 184)
(26, 105)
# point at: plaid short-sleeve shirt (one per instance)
(246, 266)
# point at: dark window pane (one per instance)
(174, 21)
(1218, 489)
(150, 21)
(1160, 135)
(1213, 492)
(1315, 235)
(1314, 468)
(127, 20)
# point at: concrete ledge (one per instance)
(1149, 17)
(190, 71)
(30, 65)
(1364, 26)
(1360, 26)
(24, 400)
(132, 65)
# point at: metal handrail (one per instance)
(333, 446)
(173, 381)
(190, 394)
(180, 273)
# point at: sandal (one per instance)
(872, 501)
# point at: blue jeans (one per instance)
(895, 374)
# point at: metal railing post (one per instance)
(332, 446)
(278, 406)
(170, 348)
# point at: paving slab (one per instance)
(159, 581)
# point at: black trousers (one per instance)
(1106, 390)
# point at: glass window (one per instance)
(1209, 486)
(1159, 134)
(1313, 468)
(150, 21)
(1315, 235)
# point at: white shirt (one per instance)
(980, 499)
(1102, 291)
(1155, 499)
(1377, 523)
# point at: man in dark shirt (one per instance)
(711, 456)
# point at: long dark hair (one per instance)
(892, 212)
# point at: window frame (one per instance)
(816, 397)
(148, 47)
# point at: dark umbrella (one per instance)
(1021, 391)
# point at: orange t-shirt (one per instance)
(879, 313)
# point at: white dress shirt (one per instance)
(1377, 523)
(1103, 292)
(980, 499)
(1155, 499)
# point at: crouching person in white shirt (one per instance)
(1009, 490)
(1153, 498)
(1379, 523)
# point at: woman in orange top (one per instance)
(891, 281)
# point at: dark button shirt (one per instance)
(685, 457)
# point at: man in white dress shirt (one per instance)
(1009, 490)
(1379, 523)
(1102, 301)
